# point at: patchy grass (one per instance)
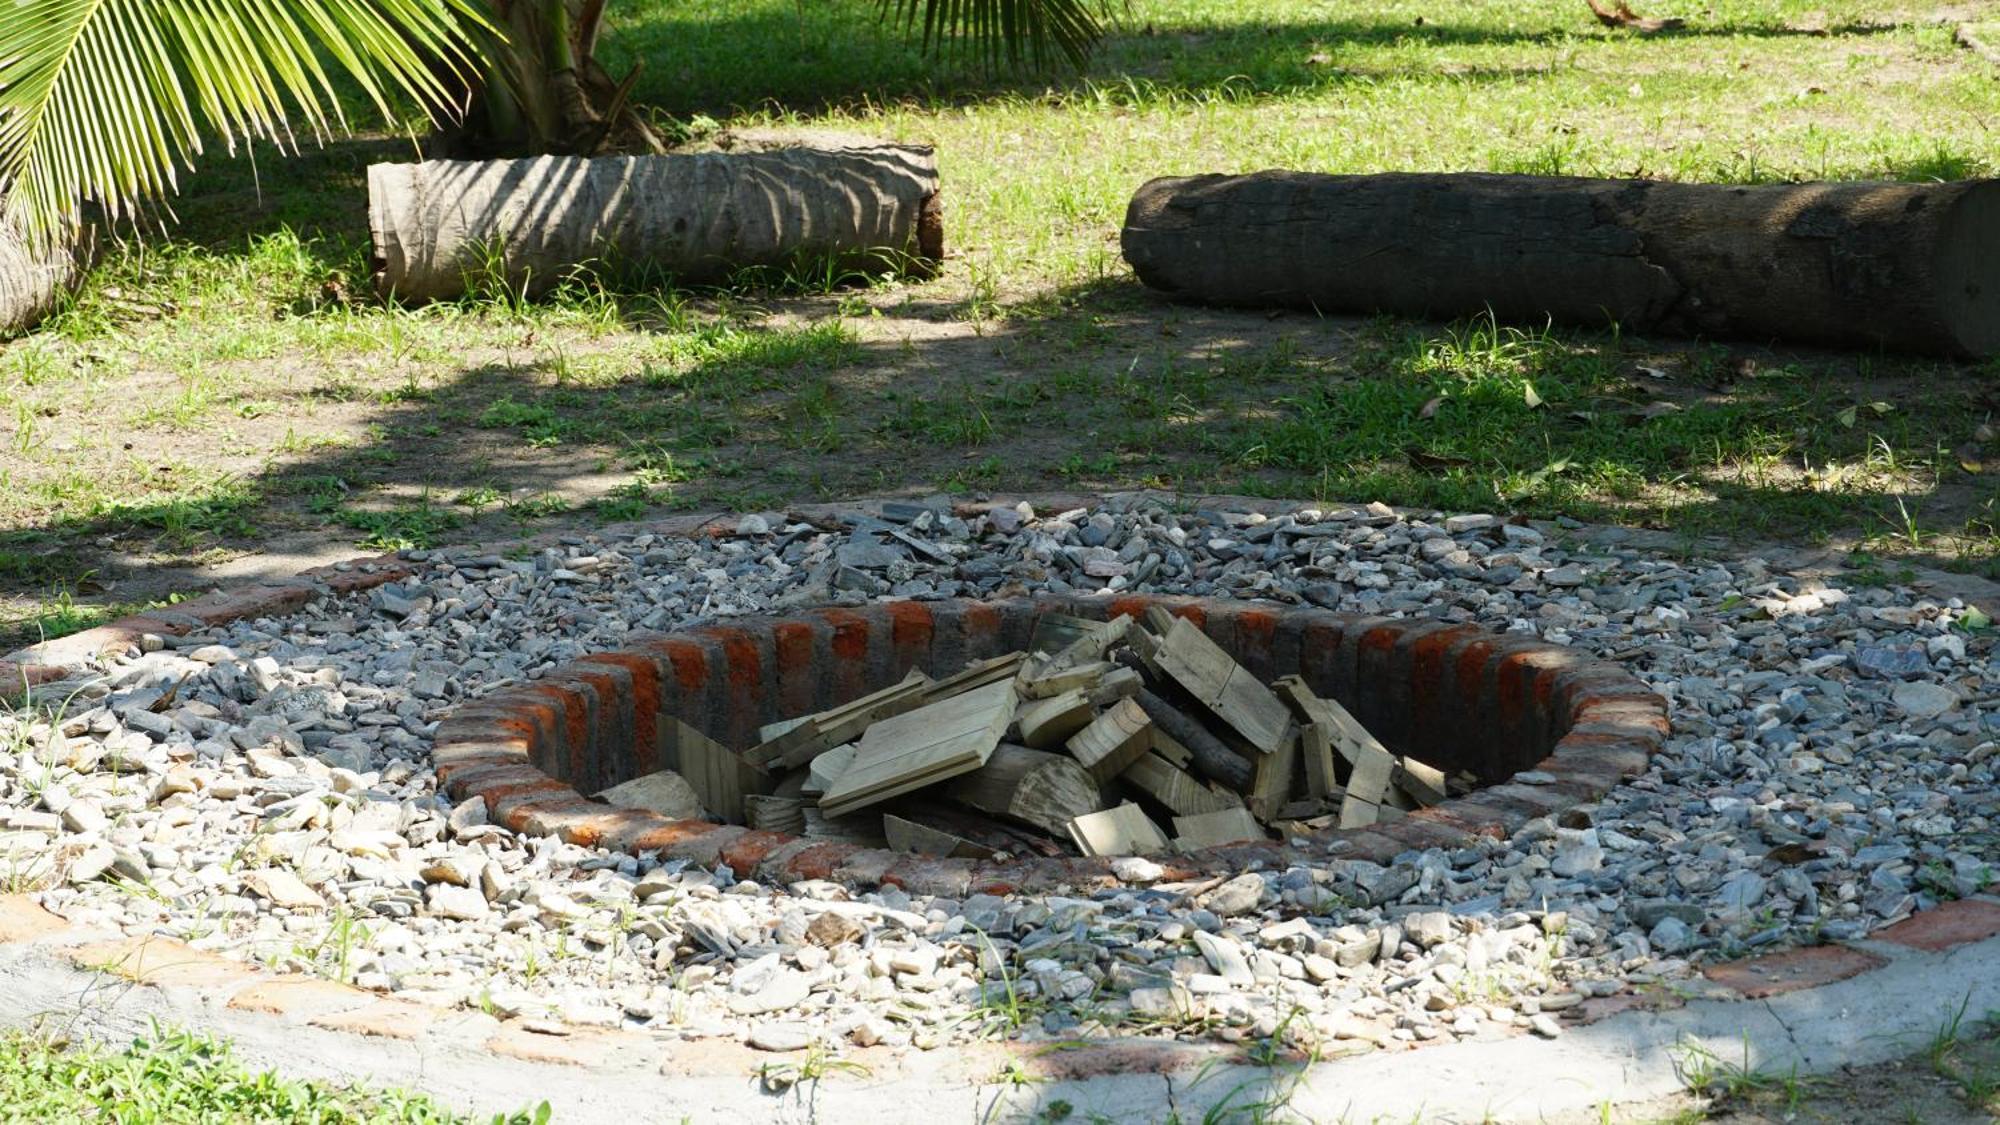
(230, 386)
(176, 1076)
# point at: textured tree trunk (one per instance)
(32, 281)
(1910, 267)
(442, 224)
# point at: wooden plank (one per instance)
(1119, 683)
(1181, 794)
(1271, 781)
(1170, 748)
(921, 839)
(1056, 631)
(775, 814)
(1424, 783)
(1112, 741)
(1315, 730)
(975, 675)
(820, 732)
(719, 775)
(1076, 677)
(1207, 830)
(1048, 723)
(1125, 830)
(1374, 768)
(922, 747)
(1030, 786)
(824, 770)
(1200, 666)
(863, 829)
(1085, 649)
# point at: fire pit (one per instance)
(1457, 697)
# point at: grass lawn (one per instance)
(222, 397)
(175, 1076)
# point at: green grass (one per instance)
(230, 383)
(176, 1076)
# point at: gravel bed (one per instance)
(263, 790)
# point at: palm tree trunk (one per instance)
(545, 91)
(33, 279)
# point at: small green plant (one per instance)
(818, 1062)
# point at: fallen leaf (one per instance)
(1431, 408)
(1655, 373)
(1974, 619)
(1532, 398)
(1657, 409)
(1847, 416)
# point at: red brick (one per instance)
(579, 1046)
(162, 961)
(1792, 970)
(910, 630)
(1945, 926)
(385, 1019)
(744, 853)
(300, 997)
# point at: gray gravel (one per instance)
(263, 790)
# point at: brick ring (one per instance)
(1457, 696)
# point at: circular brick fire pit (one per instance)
(1456, 696)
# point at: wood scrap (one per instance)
(1117, 683)
(1031, 786)
(1271, 778)
(799, 744)
(775, 814)
(1076, 677)
(718, 775)
(992, 833)
(1046, 724)
(1125, 830)
(1208, 830)
(1180, 794)
(923, 747)
(1113, 740)
(1225, 687)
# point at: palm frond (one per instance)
(1018, 33)
(103, 100)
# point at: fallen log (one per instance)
(1908, 267)
(444, 225)
(1211, 758)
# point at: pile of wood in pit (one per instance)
(1099, 736)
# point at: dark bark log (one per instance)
(1908, 267)
(1212, 759)
(530, 223)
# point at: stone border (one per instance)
(1908, 978)
(526, 750)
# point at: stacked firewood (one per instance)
(1097, 737)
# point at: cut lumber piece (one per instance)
(1057, 631)
(982, 830)
(922, 839)
(923, 747)
(776, 814)
(1180, 794)
(975, 675)
(1225, 687)
(664, 792)
(1271, 778)
(527, 224)
(1118, 683)
(1169, 748)
(1906, 267)
(816, 734)
(1090, 646)
(719, 775)
(1211, 758)
(1030, 786)
(1367, 787)
(1125, 830)
(1076, 677)
(1048, 723)
(1424, 783)
(826, 769)
(1112, 741)
(1317, 736)
(1208, 830)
